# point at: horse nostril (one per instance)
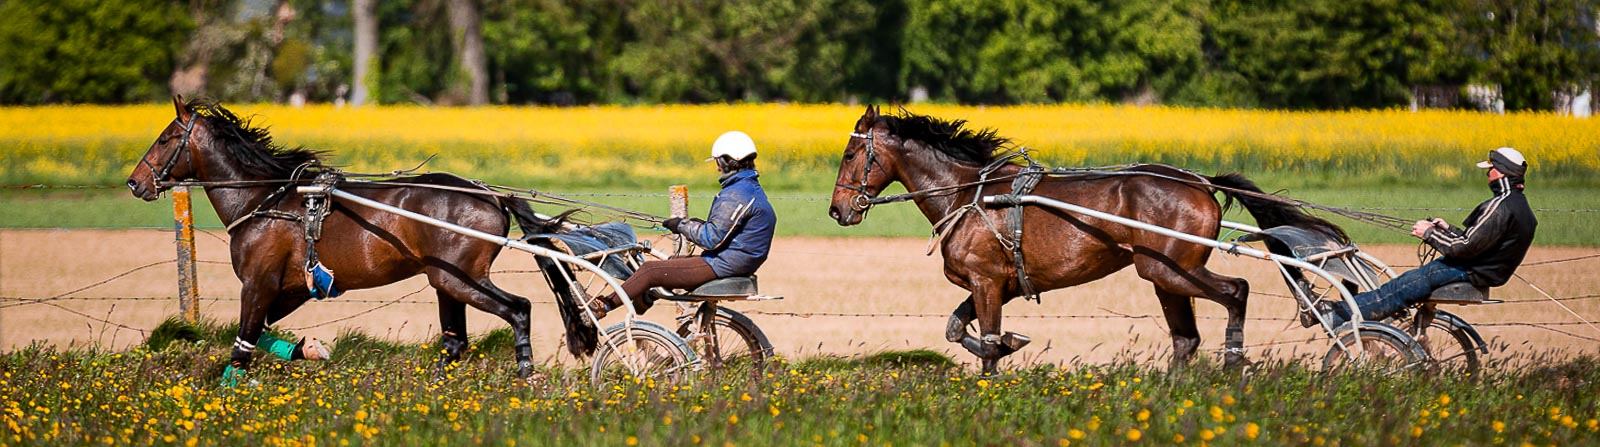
(133, 185)
(833, 211)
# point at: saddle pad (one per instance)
(585, 240)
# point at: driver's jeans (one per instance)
(677, 273)
(1403, 291)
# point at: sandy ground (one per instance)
(843, 296)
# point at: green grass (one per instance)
(804, 212)
(382, 392)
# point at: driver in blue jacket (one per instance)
(736, 236)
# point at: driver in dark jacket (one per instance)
(1486, 253)
(736, 236)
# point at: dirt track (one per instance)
(878, 294)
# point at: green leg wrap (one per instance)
(281, 349)
(231, 376)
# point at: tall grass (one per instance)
(383, 392)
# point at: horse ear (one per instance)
(177, 103)
(867, 118)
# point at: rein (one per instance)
(866, 200)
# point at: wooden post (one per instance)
(678, 206)
(188, 287)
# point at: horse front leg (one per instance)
(956, 332)
(990, 346)
(453, 337)
(255, 298)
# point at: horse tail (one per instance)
(1272, 213)
(530, 222)
(582, 337)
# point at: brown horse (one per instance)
(939, 163)
(365, 247)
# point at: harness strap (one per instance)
(318, 206)
(1021, 186)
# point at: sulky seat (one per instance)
(1462, 293)
(732, 286)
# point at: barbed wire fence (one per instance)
(71, 295)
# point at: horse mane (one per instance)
(252, 145)
(951, 138)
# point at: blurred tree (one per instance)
(1336, 54)
(1050, 50)
(555, 51)
(365, 57)
(469, 76)
(709, 50)
(80, 51)
(1534, 49)
(415, 51)
(315, 57)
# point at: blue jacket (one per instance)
(738, 233)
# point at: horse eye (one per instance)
(849, 156)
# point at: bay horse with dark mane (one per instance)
(939, 163)
(247, 174)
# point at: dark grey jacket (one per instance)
(1497, 236)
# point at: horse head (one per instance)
(170, 157)
(865, 170)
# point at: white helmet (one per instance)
(734, 144)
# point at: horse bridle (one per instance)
(172, 158)
(863, 198)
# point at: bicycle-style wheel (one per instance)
(640, 351)
(1449, 343)
(732, 338)
(1381, 348)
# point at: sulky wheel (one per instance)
(732, 338)
(641, 351)
(1449, 342)
(1383, 348)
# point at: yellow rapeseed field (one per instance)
(91, 141)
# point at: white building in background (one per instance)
(1580, 105)
(1488, 98)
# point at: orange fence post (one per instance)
(188, 286)
(678, 206)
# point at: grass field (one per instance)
(379, 392)
(805, 213)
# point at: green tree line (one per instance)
(1309, 54)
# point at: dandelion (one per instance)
(1251, 430)
(1133, 434)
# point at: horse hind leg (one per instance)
(453, 336)
(1231, 293)
(485, 296)
(1179, 312)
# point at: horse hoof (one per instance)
(315, 350)
(1015, 341)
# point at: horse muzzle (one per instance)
(845, 217)
(148, 194)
